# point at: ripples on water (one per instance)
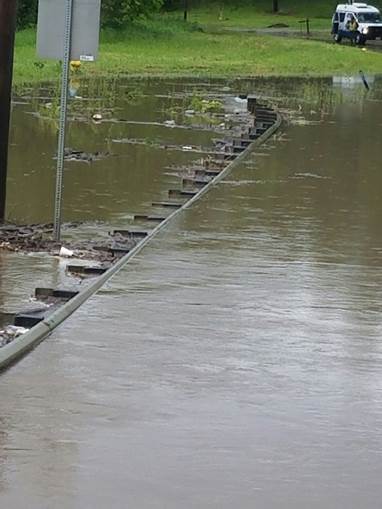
(237, 361)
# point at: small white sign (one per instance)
(87, 58)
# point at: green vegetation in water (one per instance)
(200, 105)
(104, 93)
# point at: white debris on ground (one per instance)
(65, 253)
(10, 333)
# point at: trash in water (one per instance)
(240, 100)
(66, 253)
(10, 333)
(84, 157)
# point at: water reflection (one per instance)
(130, 174)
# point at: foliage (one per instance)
(171, 5)
(298, 8)
(115, 13)
(205, 105)
(26, 13)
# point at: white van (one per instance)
(367, 23)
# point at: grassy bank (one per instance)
(168, 46)
(257, 14)
(214, 16)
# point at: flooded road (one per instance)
(238, 359)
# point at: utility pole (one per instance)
(8, 10)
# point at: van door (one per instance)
(341, 21)
(335, 23)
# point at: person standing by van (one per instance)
(352, 26)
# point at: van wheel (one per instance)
(337, 38)
(360, 40)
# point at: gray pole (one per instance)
(62, 124)
(7, 39)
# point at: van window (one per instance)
(335, 17)
(342, 16)
(369, 17)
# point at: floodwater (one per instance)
(238, 360)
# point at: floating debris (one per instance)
(184, 148)
(27, 238)
(65, 253)
(37, 239)
(97, 117)
(10, 333)
(84, 157)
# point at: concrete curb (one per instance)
(12, 352)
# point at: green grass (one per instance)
(166, 46)
(213, 17)
(257, 14)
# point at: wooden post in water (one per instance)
(251, 104)
(7, 42)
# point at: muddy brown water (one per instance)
(238, 359)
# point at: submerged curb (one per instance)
(12, 352)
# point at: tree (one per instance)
(26, 13)
(275, 6)
(115, 13)
(171, 5)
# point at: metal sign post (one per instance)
(62, 122)
(66, 30)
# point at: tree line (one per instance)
(115, 13)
